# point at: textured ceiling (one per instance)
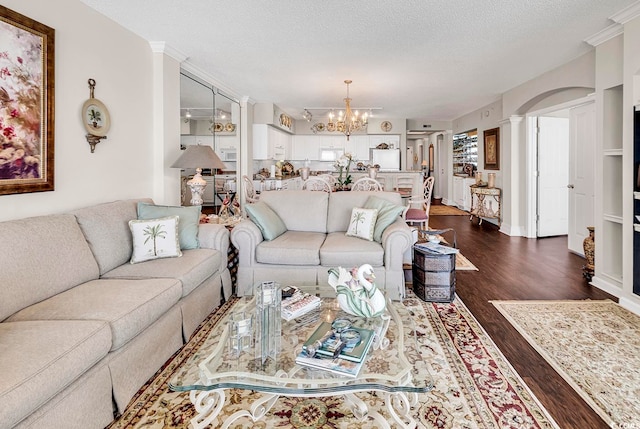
(435, 59)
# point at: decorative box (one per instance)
(434, 274)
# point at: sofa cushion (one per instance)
(340, 250)
(387, 214)
(155, 239)
(363, 222)
(58, 353)
(187, 226)
(41, 257)
(341, 204)
(292, 248)
(106, 228)
(266, 219)
(129, 306)
(300, 210)
(194, 267)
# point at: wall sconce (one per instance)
(95, 118)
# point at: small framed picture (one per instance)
(492, 149)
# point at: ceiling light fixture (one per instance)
(348, 121)
(307, 115)
(188, 114)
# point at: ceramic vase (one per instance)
(491, 181)
(589, 247)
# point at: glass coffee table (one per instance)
(386, 368)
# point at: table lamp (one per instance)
(197, 156)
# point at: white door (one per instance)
(581, 174)
(553, 176)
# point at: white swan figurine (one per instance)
(358, 296)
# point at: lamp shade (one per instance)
(199, 156)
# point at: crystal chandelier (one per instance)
(348, 121)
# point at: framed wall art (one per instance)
(26, 104)
(492, 149)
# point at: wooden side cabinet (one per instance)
(485, 203)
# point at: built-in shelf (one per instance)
(612, 152)
(612, 218)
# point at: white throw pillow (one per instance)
(363, 222)
(155, 238)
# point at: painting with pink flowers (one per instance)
(26, 104)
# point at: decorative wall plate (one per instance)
(218, 127)
(386, 126)
(230, 127)
(95, 117)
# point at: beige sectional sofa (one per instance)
(82, 328)
(315, 241)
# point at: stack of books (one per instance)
(330, 351)
(297, 303)
(437, 248)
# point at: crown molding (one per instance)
(207, 77)
(163, 48)
(605, 34)
(247, 100)
(627, 14)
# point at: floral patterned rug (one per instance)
(475, 387)
(593, 345)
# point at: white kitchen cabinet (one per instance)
(358, 146)
(333, 141)
(305, 147)
(270, 143)
(462, 192)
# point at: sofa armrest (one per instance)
(245, 237)
(214, 236)
(396, 239)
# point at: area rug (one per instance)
(475, 387)
(593, 345)
(443, 210)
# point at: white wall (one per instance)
(88, 45)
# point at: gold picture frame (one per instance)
(492, 149)
(27, 63)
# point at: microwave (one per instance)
(228, 155)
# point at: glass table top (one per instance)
(219, 364)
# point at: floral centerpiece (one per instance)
(342, 165)
(356, 291)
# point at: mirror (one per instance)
(210, 117)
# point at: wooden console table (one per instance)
(483, 207)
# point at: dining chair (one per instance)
(250, 194)
(420, 214)
(329, 178)
(404, 186)
(366, 184)
(316, 184)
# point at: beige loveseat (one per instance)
(315, 241)
(82, 328)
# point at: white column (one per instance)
(166, 119)
(512, 151)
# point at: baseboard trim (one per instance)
(512, 231)
(630, 305)
(606, 286)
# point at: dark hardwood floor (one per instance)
(517, 268)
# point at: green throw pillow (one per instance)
(387, 214)
(266, 219)
(187, 227)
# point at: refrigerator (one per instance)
(388, 159)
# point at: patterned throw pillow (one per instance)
(363, 222)
(155, 238)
